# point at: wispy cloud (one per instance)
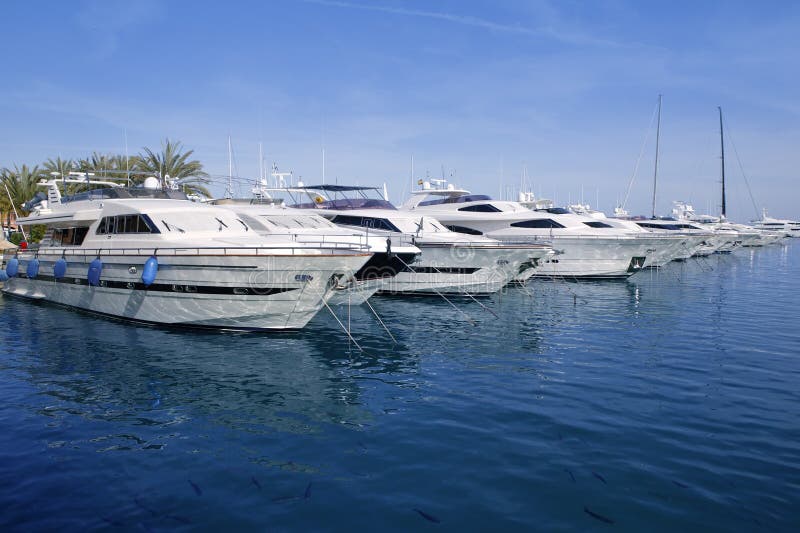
(545, 32)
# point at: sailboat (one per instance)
(735, 234)
(688, 238)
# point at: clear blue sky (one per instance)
(566, 89)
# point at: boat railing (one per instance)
(486, 245)
(331, 248)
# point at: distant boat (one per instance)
(790, 228)
(585, 247)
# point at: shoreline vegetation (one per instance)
(22, 182)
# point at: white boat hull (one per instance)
(590, 257)
(462, 270)
(231, 292)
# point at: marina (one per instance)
(665, 401)
(399, 265)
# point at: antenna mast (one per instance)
(229, 192)
(655, 170)
(722, 158)
(260, 162)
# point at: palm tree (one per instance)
(22, 183)
(5, 206)
(173, 162)
(22, 186)
(59, 166)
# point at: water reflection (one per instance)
(118, 372)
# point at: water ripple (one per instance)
(668, 401)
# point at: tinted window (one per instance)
(365, 222)
(555, 210)
(598, 225)
(538, 223)
(462, 229)
(69, 236)
(481, 208)
(126, 224)
(456, 199)
(672, 227)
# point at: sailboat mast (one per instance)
(722, 153)
(655, 170)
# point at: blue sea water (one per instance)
(667, 402)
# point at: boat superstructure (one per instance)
(271, 218)
(148, 254)
(449, 262)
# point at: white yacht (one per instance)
(784, 227)
(731, 235)
(682, 246)
(734, 235)
(449, 262)
(147, 254)
(584, 247)
(269, 217)
(695, 238)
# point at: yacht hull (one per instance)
(590, 257)
(462, 270)
(246, 293)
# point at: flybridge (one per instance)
(110, 190)
(441, 193)
(338, 197)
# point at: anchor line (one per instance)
(379, 320)
(328, 307)
(443, 297)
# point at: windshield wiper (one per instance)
(169, 228)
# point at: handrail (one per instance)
(190, 251)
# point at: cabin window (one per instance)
(480, 208)
(365, 222)
(670, 227)
(126, 224)
(463, 229)
(68, 236)
(555, 210)
(538, 223)
(598, 225)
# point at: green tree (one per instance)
(172, 161)
(61, 167)
(22, 183)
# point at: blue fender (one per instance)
(33, 268)
(95, 269)
(150, 271)
(12, 268)
(60, 268)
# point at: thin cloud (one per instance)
(476, 22)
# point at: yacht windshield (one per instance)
(122, 192)
(650, 225)
(340, 197)
(555, 210)
(437, 200)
